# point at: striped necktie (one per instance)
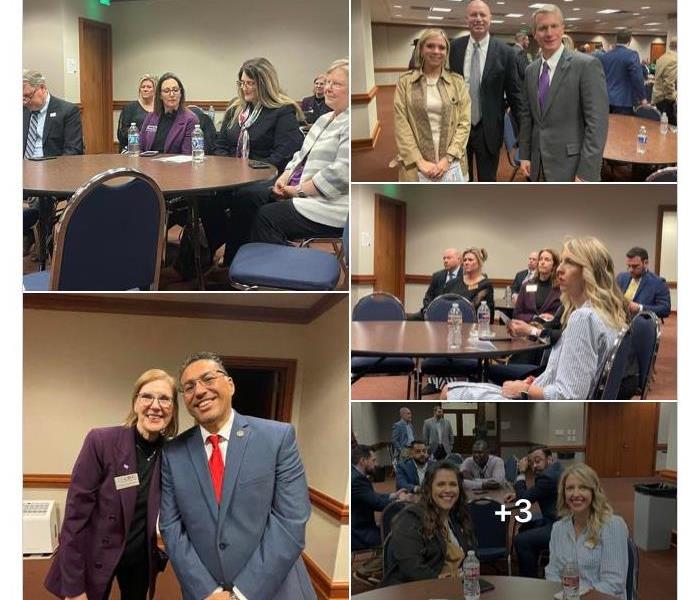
(32, 135)
(475, 84)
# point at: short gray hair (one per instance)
(201, 356)
(341, 63)
(546, 9)
(33, 78)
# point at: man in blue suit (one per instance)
(233, 528)
(623, 76)
(410, 472)
(402, 434)
(643, 289)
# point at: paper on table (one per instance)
(179, 158)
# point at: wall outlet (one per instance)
(365, 239)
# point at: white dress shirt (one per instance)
(552, 61)
(483, 48)
(41, 121)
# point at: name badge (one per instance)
(52, 114)
(589, 544)
(126, 481)
(152, 128)
(532, 287)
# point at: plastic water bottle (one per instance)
(212, 114)
(133, 147)
(664, 123)
(642, 140)
(483, 317)
(508, 296)
(454, 323)
(470, 571)
(197, 144)
(570, 582)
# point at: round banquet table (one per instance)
(621, 144)
(506, 588)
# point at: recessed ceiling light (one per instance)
(620, 27)
(575, 9)
(438, 9)
(435, 18)
(514, 15)
(397, 6)
(646, 7)
(649, 24)
(608, 11)
(568, 0)
(497, 21)
(572, 19)
(538, 5)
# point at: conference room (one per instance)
(172, 145)
(601, 260)
(512, 481)
(285, 354)
(426, 107)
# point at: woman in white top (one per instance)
(588, 535)
(431, 114)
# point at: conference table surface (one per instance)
(621, 144)
(429, 338)
(505, 588)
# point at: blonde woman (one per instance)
(431, 115)
(136, 112)
(588, 534)
(593, 315)
(475, 286)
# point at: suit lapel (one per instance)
(124, 464)
(240, 434)
(488, 64)
(198, 456)
(532, 89)
(48, 121)
(175, 131)
(25, 127)
(640, 287)
(559, 74)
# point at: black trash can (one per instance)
(654, 515)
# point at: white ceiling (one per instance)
(632, 17)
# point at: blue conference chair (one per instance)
(260, 265)
(491, 533)
(110, 237)
(511, 468)
(665, 175)
(607, 385)
(646, 335)
(511, 143)
(455, 458)
(447, 367)
(632, 583)
(381, 306)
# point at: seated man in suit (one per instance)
(402, 434)
(410, 472)
(643, 289)
(365, 501)
(483, 471)
(522, 276)
(533, 537)
(442, 281)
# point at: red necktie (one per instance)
(216, 467)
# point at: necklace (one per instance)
(148, 458)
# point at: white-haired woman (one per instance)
(593, 316)
(588, 534)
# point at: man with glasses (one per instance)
(235, 500)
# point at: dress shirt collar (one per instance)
(44, 109)
(552, 61)
(224, 432)
(483, 44)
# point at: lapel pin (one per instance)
(240, 433)
(126, 466)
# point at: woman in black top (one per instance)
(135, 112)
(539, 297)
(431, 538)
(475, 286)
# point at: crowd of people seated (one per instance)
(449, 109)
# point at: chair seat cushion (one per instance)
(449, 366)
(512, 372)
(37, 282)
(371, 364)
(288, 267)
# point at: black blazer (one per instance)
(408, 557)
(521, 62)
(526, 306)
(500, 75)
(483, 291)
(274, 137)
(544, 492)
(438, 286)
(63, 131)
(365, 502)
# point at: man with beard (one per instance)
(438, 435)
(411, 472)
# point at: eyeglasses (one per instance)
(334, 85)
(27, 97)
(319, 83)
(245, 84)
(208, 380)
(171, 91)
(148, 399)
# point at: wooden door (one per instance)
(657, 49)
(466, 417)
(621, 438)
(95, 41)
(389, 245)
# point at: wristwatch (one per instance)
(525, 394)
(300, 192)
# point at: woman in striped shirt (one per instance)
(593, 316)
(588, 535)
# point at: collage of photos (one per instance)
(295, 326)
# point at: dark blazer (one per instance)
(408, 557)
(407, 475)
(63, 130)
(132, 113)
(544, 492)
(274, 137)
(623, 76)
(97, 516)
(653, 293)
(526, 307)
(365, 502)
(313, 109)
(500, 76)
(399, 435)
(521, 61)
(438, 286)
(179, 139)
(519, 280)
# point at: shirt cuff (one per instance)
(238, 593)
(521, 477)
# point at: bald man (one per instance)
(522, 276)
(443, 281)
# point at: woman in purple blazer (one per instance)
(539, 297)
(169, 127)
(109, 525)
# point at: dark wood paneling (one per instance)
(324, 586)
(364, 279)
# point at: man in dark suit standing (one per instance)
(488, 67)
(623, 76)
(522, 60)
(643, 289)
(442, 281)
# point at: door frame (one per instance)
(400, 262)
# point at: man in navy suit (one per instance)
(402, 433)
(643, 289)
(623, 76)
(442, 281)
(410, 472)
(234, 501)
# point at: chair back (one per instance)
(390, 511)
(665, 175)
(647, 111)
(110, 237)
(607, 385)
(511, 467)
(437, 310)
(455, 458)
(208, 128)
(379, 306)
(490, 531)
(632, 583)
(646, 335)
(510, 141)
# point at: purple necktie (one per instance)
(543, 86)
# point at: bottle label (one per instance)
(197, 144)
(471, 571)
(570, 581)
(133, 138)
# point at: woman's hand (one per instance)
(427, 168)
(281, 183)
(445, 575)
(441, 168)
(519, 328)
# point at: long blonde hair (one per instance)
(600, 511)
(147, 377)
(270, 94)
(599, 285)
(428, 33)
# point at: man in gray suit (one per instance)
(564, 121)
(437, 434)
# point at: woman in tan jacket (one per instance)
(431, 115)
